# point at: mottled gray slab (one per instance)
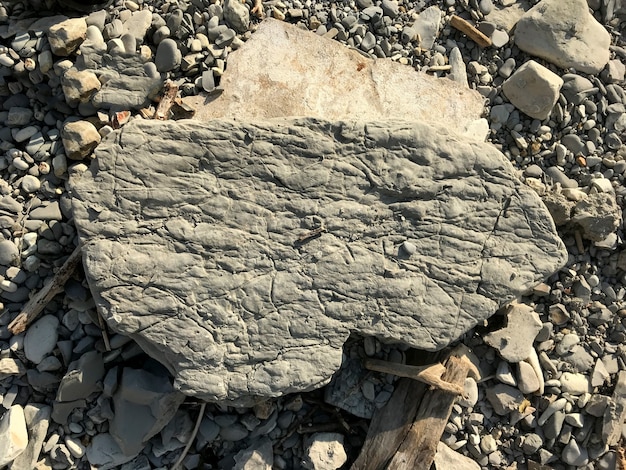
(199, 243)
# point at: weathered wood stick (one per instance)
(170, 90)
(418, 449)
(430, 374)
(467, 28)
(35, 305)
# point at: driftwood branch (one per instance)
(430, 374)
(35, 305)
(404, 434)
(170, 90)
(470, 31)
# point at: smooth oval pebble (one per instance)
(8, 253)
(41, 338)
(30, 184)
(168, 56)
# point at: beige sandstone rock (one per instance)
(285, 71)
(79, 139)
(65, 36)
(533, 89)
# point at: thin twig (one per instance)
(191, 438)
(103, 328)
(34, 306)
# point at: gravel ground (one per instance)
(68, 385)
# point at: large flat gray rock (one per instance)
(202, 242)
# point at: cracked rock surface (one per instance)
(242, 254)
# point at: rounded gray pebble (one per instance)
(168, 56)
(30, 184)
(8, 253)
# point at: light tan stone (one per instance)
(79, 85)
(533, 89)
(65, 36)
(79, 139)
(285, 71)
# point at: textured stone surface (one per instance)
(285, 71)
(200, 242)
(533, 89)
(565, 33)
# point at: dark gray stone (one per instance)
(126, 82)
(242, 255)
(144, 404)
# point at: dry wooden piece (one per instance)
(405, 432)
(620, 457)
(34, 306)
(257, 9)
(170, 90)
(430, 374)
(419, 447)
(467, 28)
(192, 438)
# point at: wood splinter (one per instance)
(36, 304)
(430, 374)
(468, 29)
(170, 90)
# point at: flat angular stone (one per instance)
(242, 254)
(565, 33)
(285, 71)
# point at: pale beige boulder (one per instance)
(285, 71)
(66, 35)
(566, 34)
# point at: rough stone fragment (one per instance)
(37, 417)
(78, 86)
(104, 453)
(514, 342)
(446, 459)
(13, 434)
(81, 379)
(79, 139)
(504, 398)
(126, 82)
(615, 412)
(65, 36)
(325, 451)
(427, 26)
(138, 24)
(565, 33)
(575, 384)
(10, 366)
(236, 15)
(266, 244)
(285, 71)
(598, 215)
(258, 456)
(533, 89)
(144, 404)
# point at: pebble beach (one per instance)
(551, 391)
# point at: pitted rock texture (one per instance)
(242, 254)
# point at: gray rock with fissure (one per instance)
(242, 254)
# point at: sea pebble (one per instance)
(168, 56)
(325, 451)
(41, 338)
(13, 434)
(574, 454)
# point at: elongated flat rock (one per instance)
(242, 254)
